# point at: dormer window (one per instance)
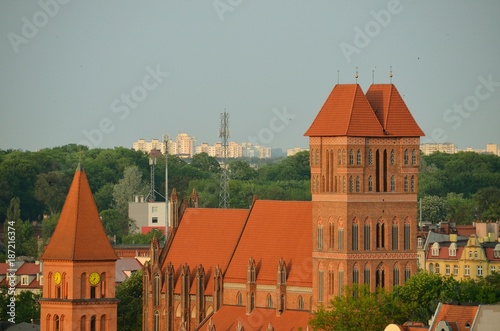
(496, 251)
(453, 249)
(435, 249)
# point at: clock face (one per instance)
(94, 278)
(57, 278)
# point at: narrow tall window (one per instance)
(355, 276)
(366, 275)
(358, 184)
(156, 322)
(331, 236)
(407, 273)
(239, 299)
(157, 289)
(301, 303)
(351, 157)
(395, 236)
(393, 158)
(339, 157)
(370, 183)
(93, 323)
(393, 183)
(320, 286)
(366, 237)
(331, 280)
(83, 323)
(406, 184)
(340, 241)
(380, 235)
(351, 184)
(343, 157)
(57, 325)
(377, 171)
(407, 237)
(341, 281)
(406, 157)
(412, 183)
(370, 157)
(320, 236)
(413, 157)
(380, 278)
(358, 157)
(355, 237)
(395, 275)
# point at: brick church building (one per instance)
(272, 265)
(79, 268)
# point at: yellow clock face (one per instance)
(94, 278)
(57, 278)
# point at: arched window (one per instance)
(269, 301)
(103, 323)
(354, 236)
(395, 274)
(393, 183)
(380, 235)
(370, 183)
(435, 249)
(239, 299)
(370, 157)
(332, 235)
(366, 275)
(320, 235)
(157, 289)
(406, 157)
(358, 184)
(407, 235)
(407, 272)
(413, 157)
(83, 286)
(57, 323)
(343, 157)
(366, 238)
(412, 183)
(351, 184)
(156, 321)
(351, 157)
(102, 284)
(355, 275)
(380, 277)
(93, 323)
(358, 157)
(320, 285)
(339, 157)
(301, 303)
(406, 184)
(331, 280)
(393, 158)
(83, 323)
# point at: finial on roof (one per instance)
(390, 74)
(356, 75)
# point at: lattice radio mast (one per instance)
(224, 175)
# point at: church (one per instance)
(269, 267)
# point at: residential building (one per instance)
(492, 148)
(79, 267)
(26, 276)
(429, 148)
(295, 150)
(270, 266)
(473, 258)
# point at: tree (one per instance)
(124, 190)
(115, 224)
(357, 309)
(48, 227)
(51, 189)
(26, 244)
(130, 306)
(241, 170)
(488, 203)
(433, 209)
(205, 163)
(459, 209)
(140, 238)
(27, 307)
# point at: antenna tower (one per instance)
(224, 176)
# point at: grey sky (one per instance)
(183, 62)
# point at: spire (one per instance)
(79, 234)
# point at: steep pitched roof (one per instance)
(79, 234)
(392, 112)
(227, 318)
(205, 236)
(459, 317)
(274, 230)
(346, 112)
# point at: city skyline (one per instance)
(143, 70)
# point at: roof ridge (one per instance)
(351, 109)
(79, 172)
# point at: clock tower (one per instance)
(79, 268)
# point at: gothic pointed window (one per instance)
(320, 235)
(301, 303)
(351, 184)
(370, 157)
(351, 157)
(370, 183)
(354, 239)
(239, 299)
(358, 157)
(393, 158)
(413, 157)
(393, 183)
(406, 184)
(366, 237)
(320, 283)
(358, 184)
(406, 157)
(395, 274)
(157, 289)
(412, 186)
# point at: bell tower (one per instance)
(79, 267)
(364, 157)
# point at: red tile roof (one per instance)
(274, 230)
(227, 318)
(346, 112)
(457, 316)
(205, 236)
(392, 111)
(28, 269)
(79, 234)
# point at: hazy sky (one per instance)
(106, 73)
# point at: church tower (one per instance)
(364, 156)
(79, 268)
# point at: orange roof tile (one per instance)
(79, 234)
(456, 315)
(205, 236)
(392, 112)
(274, 230)
(346, 112)
(227, 318)
(28, 269)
